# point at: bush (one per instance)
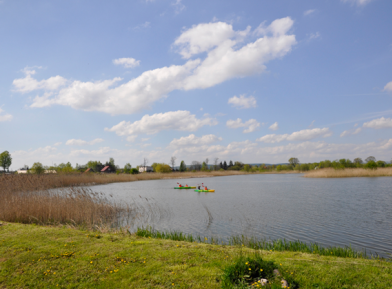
(247, 271)
(371, 165)
(38, 168)
(134, 171)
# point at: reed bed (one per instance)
(36, 199)
(349, 173)
(254, 243)
(49, 181)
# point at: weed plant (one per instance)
(269, 245)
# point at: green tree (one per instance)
(381, 164)
(304, 167)
(247, 168)
(230, 163)
(358, 161)
(182, 166)
(224, 165)
(293, 162)
(204, 166)
(5, 160)
(372, 165)
(38, 168)
(96, 166)
(127, 168)
(163, 168)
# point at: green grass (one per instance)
(253, 243)
(83, 259)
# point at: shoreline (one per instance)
(349, 173)
(61, 257)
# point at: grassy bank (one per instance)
(349, 173)
(57, 257)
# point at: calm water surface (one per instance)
(331, 212)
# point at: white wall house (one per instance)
(143, 169)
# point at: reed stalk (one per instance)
(349, 173)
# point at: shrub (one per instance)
(371, 165)
(134, 171)
(163, 168)
(247, 271)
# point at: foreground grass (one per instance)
(349, 173)
(52, 257)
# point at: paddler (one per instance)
(186, 185)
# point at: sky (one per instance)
(255, 81)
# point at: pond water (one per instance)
(331, 212)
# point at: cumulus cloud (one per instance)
(57, 143)
(79, 142)
(126, 62)
(388, 87)
(250, 125)
(181, 120)
(274, 126)
(314, 35)
(302, 135)
(308, 12)
(193, 140)
(351, 132)
(242, 101)
(358, 2)
(227, 56)
(5, 116)
(28, 84)
(379, 123)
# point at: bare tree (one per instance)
(196, 166)
(371, 158)
(173, 161)
(216, 163)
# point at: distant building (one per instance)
(147, 169)
(23, 170)
(107, 169)
(89, 170)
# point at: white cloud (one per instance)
(388, 87)
(310, 11)
(127, 62)
(193, 140)
(302, 135)
(242, 101)
(145, 139)
(173, 120)
(250, 125)
(178, 6)
(379, 123)
(314, 35)
(57, 143)
(274, 126)
(143, 25)
(28, 84)
(5, 117)
(358, 2)
(351, 132)
(79, 142)
(226, 58)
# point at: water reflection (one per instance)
(332, 212)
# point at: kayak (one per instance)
(180, 188)
(205, 191)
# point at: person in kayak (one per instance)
(186, 185)
(205, 188)
(180, 186)
(198, 187)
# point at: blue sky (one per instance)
(251, 81)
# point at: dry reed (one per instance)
(349, 173)
(38, 199)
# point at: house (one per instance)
(23, 170)
(89, 170)
(107, 169)
(147, 169)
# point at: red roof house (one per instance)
(107, 169)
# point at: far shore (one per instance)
(349, 173)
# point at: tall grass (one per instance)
(349, 173)
(31, 199)
(270, 245)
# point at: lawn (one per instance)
(33, 256)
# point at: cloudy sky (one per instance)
(253, 81)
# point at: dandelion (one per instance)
(54, 272)
(250, 269)
(172, 284)
(261, 270)
(91, 262)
